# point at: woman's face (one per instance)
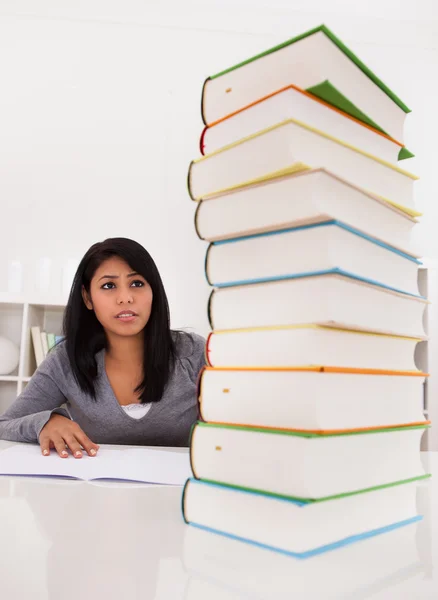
(120, 298)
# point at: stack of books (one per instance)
(311, 406)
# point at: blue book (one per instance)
(329, 247)
(293, 527)
(220, 567)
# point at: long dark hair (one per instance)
(85, 335)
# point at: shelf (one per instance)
(43, 301)
(11, 299)
(17, 316)
(48, 305)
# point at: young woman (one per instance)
(123, 375)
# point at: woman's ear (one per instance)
(86, 298)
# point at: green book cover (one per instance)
(328, 93)
(314, 500)
(341, 46)
(51, 340)
(309, 434)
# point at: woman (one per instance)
(124, 376)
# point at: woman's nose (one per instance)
(125, 297)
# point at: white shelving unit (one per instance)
(16, 318)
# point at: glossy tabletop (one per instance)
(68, 540)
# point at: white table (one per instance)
(65, 540)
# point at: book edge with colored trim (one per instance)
(402, 211)
(303, 502)
(322, 370)
(320, 224)
(335, 271)
(316, 551)
(403, 152)
(309, 434)
(291, 121)
(321, 28)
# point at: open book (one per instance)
(133, 464)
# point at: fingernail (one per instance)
(92, 451)
(64, 453)
(45, 452)
(78, 453)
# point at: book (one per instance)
(131, 464)
(51, 340)
(309, 250)
(222, 568)
(292, 146)
(37, 345)
(45, 343)
(306, 198)
(299, 529)
(293, 102)
(318, 62)
(310, 345)
(334, 299)
(305, 466)
(310, 400)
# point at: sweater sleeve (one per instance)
(199, 354)
(192, 352)
(42, 397)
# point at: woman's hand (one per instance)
(60, 432)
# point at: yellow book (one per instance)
(292, 146)
(310, 346)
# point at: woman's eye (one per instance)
(109, 285)
(137, 283)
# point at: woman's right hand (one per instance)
(60, 432)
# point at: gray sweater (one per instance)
(167, 423)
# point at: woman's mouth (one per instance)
(127, 316)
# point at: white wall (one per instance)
(100, 116)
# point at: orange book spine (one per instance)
(320, 431)
(301, 91)
(318, 369)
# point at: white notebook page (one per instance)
(130, 464)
